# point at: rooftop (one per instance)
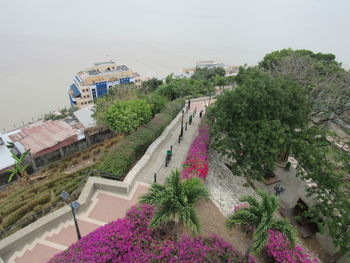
(41, 135)
(84, 115)
(104, 63)
(99, 72)
(6, 159)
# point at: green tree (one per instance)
(326, 80)
(261, 216)
(258, 120)
(174, 202)
(208, 74)
(178, 88)
(220, 82)
(117, 93)
(126, 116)
(151, 85)
(332, 192)
(156, 101)
(20, 167)
(329, 89)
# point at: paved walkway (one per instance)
(157, 161)
(108, 206)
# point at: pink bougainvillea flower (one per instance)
(132, 240)
(196, 164)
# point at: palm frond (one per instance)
(12, 174)
(173, 180)
(242, 217)
(152, 196)
(161, 216)
(194, 189)
(250, 200)
(260, 242)
(263, 227)
(189, 218)
(269, 203)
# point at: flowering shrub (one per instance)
(278, 248)
(196, 164)
(132, 240)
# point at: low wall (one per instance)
(99, 137)
(75, 147)
(47, 158)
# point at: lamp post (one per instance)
(182, 124)
(74, 206)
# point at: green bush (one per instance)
(126, 116)
(129, 150)
(157, 102)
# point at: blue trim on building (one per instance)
(101, 88)
(72, 102)
(124, 80)
(75, 89)
(77, 78)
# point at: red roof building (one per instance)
(43, 137)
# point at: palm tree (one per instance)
(20, 168)
(260, 214)
(174, 202)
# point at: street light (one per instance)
(74, 206)
(182, 124)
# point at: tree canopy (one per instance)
(208, 74)
(270, 111)
(258, 120)
(151, 85)
(328, 82)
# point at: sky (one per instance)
(43, 43)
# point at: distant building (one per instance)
(188, 72)
(231, 70)
(94, 82)
(209, 64)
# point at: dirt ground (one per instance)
(213, 223)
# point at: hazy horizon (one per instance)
(44, 43)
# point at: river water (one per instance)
(44, 43)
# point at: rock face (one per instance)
(225, 188)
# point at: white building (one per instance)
(6, 160)
(94, 82)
